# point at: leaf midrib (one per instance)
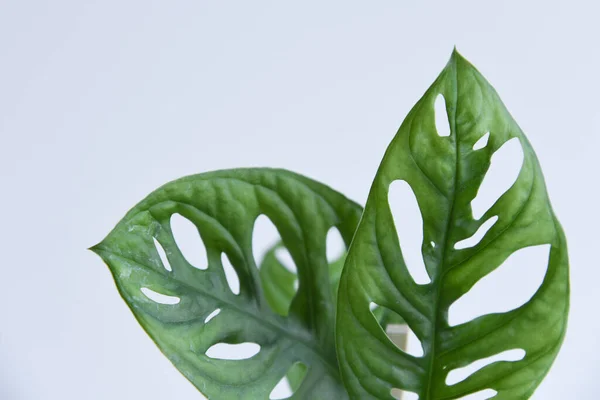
(333, 368)
(452, 198)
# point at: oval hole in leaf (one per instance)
(264, 237)
(509, 286)
(288, 385)
(399, 334)
(400, 394)
(335, 245)
(442, 123)
(481, 395)
(409, 227)
(212, 315)
(477, 236)
(482, 142)
(460, 374)
(163, 255)
(230, 274)
(504, 170)
(227, 351)
(188, 241)
(159, 297)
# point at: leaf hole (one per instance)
(506, 288)
(409, 228)
(288, 385)
(264, 236)
(460, 374)
(233, 281)
(481, 395)
(402, 334)
(159, 297)
(227, 351)
(477, 236)
(482, 142)
(399, 334)
(505, 166)
(163, 255)
(400, 394)
(212, 315)
(432, 245)
(335, 246)
(188, 240)
(442, 123)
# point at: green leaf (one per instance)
(278, 284)
(445, 173)
(223, 206)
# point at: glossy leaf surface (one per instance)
(223, 206)
(445, 173)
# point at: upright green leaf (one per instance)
(445, 173)
(223, 206)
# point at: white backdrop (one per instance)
(103, 101)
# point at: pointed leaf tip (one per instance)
(456, 56)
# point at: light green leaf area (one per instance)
(278, 285)
(223, 206)
(445, 173)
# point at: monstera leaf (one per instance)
(279, 283)
(279, 286)
(445, 173)
(223, 206)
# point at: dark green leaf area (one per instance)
(446, 174)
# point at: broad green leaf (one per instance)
(445, 172)
(223, 206)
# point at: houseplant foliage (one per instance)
(445, 174)
(299, 330)
(224, 206)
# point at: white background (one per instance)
(103, 101)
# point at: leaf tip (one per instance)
(456, 56)
(96, 249)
